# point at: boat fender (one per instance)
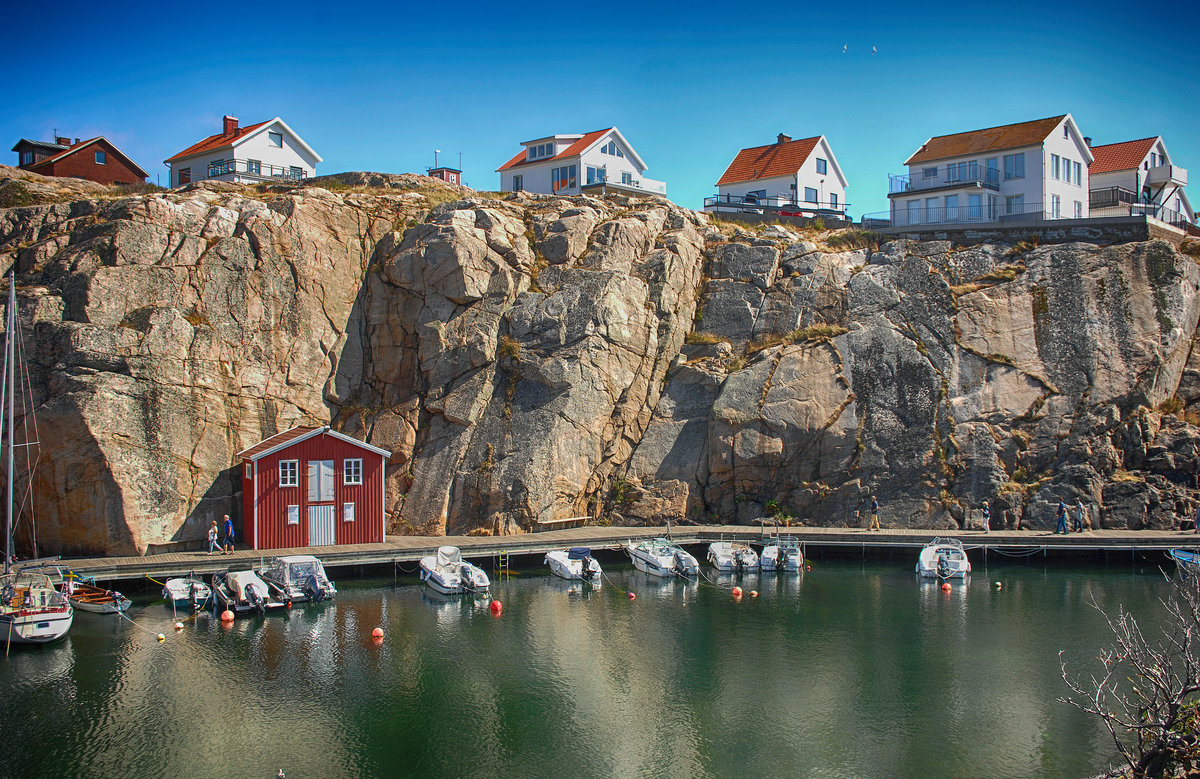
(227, 616)
(377, 633)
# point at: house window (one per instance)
(185, 176)
(563, 178)
(752, 197)
(1078, 209)
(931, 209)
(1014, 166)
(822, 166)
(320, 481)
(275, 139)
(914, 212)
(611, 149)
(992, 200)
(289, 473)
(1054, 166)
(295, 172)
(595, 175)
(1078, 173)
(518, 183)
(101, 158)
(810, 195)
(254, 166)
(26, 158)
(1055, 206)
(833, 200)
(249, 471)
(974, 206)
(348, 512)
(352, 471)
(627, 178)
(1014, 204)
(1066, 131)
(293, 515)
(951, 208)
(993, 170)
(929, 173)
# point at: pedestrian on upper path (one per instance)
(1062, 519)
(212, 538)
(1080, 515)
(987, 518)
(228, 547)
(874, 514)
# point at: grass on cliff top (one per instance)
(854, 238)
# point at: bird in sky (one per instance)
(844, 45)
(873, 49)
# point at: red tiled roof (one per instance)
(573, 150)
(1009, 136)
(214, 142)
(764, 162)
(1120, 156)
(276, 440)
(79, 146)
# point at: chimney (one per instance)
(76, 141)
(61, 141)
(781, 138)
(231, 125)
(1088, 141)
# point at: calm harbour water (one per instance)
(851, 670)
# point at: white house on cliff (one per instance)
(571, 164)
(265, 151)
(1036, 169)
(1139, 177)
(793, 175)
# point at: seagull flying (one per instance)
(873, 49)
(844, 45)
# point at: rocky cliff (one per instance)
(529, 358)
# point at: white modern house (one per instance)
(797, 177)
(267, 151)
(571, 164)
(1139, 177)
(1029, 170)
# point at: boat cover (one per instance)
(579, 553)
(447, 555)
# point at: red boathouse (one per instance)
(312, 486)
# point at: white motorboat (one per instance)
(32, 610)
(575, 563)
(446, 572)
(242, 592)
(732, 557)
(783, 555)
(300, 577)
(88, 597)
(661, 557)
(187, 592)
(943, 558)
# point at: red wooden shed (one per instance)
(312, 486)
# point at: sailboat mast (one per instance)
(9, 381)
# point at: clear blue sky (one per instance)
(380, 87)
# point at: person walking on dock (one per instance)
(1080, 513)
(228, 547)
(212, 538)
(1062, 519)
(874, 514)
(987, 518)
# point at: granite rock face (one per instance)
(533, 358)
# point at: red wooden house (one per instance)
(96, 160)
(312, 486)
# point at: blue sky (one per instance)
(380, 87)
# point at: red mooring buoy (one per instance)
(377, 633)
(497, 608)
(946, 586)
(227, 616)
(631, 595)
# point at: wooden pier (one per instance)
(407, 550)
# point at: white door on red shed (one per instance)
(320, 525)
(320, 481)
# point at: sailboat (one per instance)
(32, 611)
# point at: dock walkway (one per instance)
(410, 549)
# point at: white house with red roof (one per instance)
(570, 164)
(1139, 177)
(267, 151)
(797, 177)
(1029, 170)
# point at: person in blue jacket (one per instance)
(228, 535)
(1062, 519)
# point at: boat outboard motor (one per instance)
(255, 599)
(313, 588)
(780, 558)
(943, 566)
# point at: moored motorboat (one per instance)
(242, 592)
(732, 557)
(782, 554)
(300, 577)
(447, 573)
(187, 592)
(1187, 561)
(88, 597)
(661, 557)
(943, 558)
(574, 563)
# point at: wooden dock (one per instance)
(407, 550)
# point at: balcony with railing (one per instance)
(1161, 175)
(780, 204)
(1111, 197)
(1006, 214)
(945, 177)
(252, 169)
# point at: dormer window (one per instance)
(612, 149)
(541, 150)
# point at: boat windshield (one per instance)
(302, 570)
